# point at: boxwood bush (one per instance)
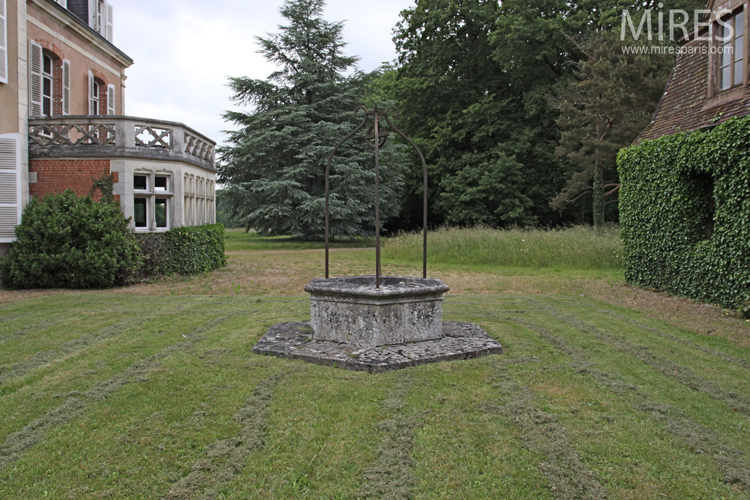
(685, 214)
(184, 250)
(68, 242)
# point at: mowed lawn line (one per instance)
(324, 431)
(611, 435)
(114, 414)
(41, 389)
(733, 462)
(695, 369)
(684, 378)
(160, 427)
(28, 327)
(307, 390)
(671, 401)
(729, 372)
(76, 403)
(31, 396)
(71, 321)
(721, 349)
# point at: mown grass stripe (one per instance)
(225, 459)
(72, 346)
(77, 403)
(679, 340)
(733, 463)
(43, 325)
(664, 366)
(392, 475)
(11, 317)
(569, 478)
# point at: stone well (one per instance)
(352, 310)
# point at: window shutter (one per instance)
(91, 93)
(110, 99)
(3, 43)
(109, 27)
(65, 87)
(10, 186)
(92, 15)
(35, 78)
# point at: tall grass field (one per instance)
(579, 247)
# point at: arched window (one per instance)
(49, 80)
(101, 95)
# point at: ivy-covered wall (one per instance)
(685, 214)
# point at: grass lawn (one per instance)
(152, 391)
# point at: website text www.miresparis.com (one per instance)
(676, 24)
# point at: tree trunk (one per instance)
(598, 196)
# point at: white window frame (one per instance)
(3, 41)
(94, 95)
(48, 77)
(151, 194)
(737, 44)
(10, 183)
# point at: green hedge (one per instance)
(668, 188)
(184, 250)
(68, 242)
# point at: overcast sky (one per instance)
(184, 50)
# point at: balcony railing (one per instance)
(119, 136)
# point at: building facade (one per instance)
(63, 122)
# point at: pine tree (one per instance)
(608, 103)
(274, 165)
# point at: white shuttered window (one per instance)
(93, 7)
(93, 97)
(110, 99)
(109, 22)
(65, 87)
(3, 42)
(35, 78)
(10, 186)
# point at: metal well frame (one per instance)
(378, 136)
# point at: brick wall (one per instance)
(57, 175)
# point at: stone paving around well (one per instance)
(295, 340)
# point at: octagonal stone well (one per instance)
(351, 310)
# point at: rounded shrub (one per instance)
(68, 242)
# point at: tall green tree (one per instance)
(274, 164)
(473, 79)
(609, 97)
(488, 139)
(603, 109)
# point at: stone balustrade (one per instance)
(119, 136)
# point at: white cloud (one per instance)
(184, 51)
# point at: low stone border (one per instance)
(295, 340)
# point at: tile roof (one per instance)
(684, 105)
